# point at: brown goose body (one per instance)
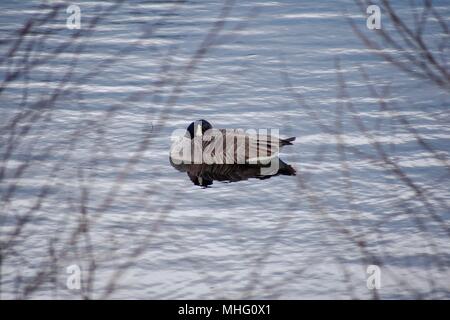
(228, 146)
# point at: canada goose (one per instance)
(203, 144)
(254, 147)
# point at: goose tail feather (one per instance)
(288, 141)
(286, 169)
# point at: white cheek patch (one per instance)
(198, 132)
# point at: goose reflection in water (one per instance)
(203, 174)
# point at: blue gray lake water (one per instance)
(302, 237)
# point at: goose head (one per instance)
(198, 128)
